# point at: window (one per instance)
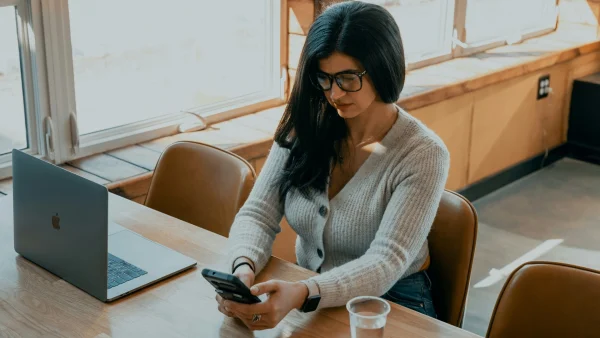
(155, 66)
(437, 30)
(425, 26)
(19, 114)
(507, 19)
(179, 56)
(13, 128)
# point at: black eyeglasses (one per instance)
(348, 80)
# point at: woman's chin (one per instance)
(347, 112)
(347, 115)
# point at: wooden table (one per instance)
(34, 302)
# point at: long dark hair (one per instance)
(310, 127)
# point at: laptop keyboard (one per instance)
(120, 271)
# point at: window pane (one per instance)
(490, 19)
(139, 59)
(422, 26)
(13, 128)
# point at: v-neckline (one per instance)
(379, 148)
(357, 173)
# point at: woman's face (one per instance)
(348, 104)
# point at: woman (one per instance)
(356, 177)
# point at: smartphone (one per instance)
(230, 287)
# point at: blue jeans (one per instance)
(413, 292)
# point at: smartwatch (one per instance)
(314, 296)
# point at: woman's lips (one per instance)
(342, 106)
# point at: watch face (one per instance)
(311, 304)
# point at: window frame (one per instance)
(444, 56)
(32, 74)
(71, 145)
(460, 33)
(456, 35)
(433, 58)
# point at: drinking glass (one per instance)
(368, 316)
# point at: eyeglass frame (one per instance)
(333, 78)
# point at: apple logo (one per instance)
(56, 222)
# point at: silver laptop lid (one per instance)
(61, 222)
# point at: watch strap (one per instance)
(311, 302)
(313, 288)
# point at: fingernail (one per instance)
(226, 309)
(254, 289)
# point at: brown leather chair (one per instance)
(201, 184)
(548, 299)
(451, 248)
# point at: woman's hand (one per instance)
(282, 298)
(246, 275)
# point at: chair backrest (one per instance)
(201, 184)
(451, 248)
(548, 299)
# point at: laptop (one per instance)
(61, 223)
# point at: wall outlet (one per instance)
(543, 87)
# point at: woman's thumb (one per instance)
(266, 287)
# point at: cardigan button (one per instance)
(323, 211)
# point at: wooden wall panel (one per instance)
(551, 109)
(451, 120)
(508, 121)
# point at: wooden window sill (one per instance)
(435, 83)
(128, 171)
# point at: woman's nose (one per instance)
(336, 92)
